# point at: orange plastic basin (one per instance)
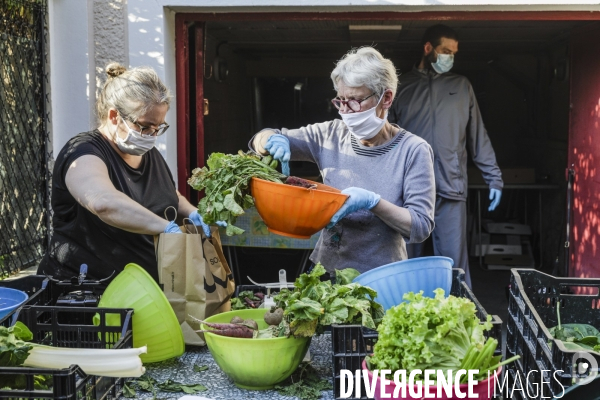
(295, 211)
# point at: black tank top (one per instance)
(81, 237)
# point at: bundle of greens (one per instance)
(314, 304)
(435, 333)
(576, 337)
(225, 183)
(247, 299)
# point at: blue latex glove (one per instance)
(196, 219)
(495, 196)
(360, 199)
(279, 147)
(172, 228)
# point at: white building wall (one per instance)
(69, 26)
(109, 40)
(142, 32)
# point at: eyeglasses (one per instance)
(147, 131)
(353, 104)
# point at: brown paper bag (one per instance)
(196, 277)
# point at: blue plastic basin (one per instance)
(392, 281)
(10, 299)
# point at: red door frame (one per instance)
(186, 21)
(584, 154)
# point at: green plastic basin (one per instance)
(255, 364)
(154, 322)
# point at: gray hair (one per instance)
(131, 92)
(366, 66)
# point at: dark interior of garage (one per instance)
(260, 74)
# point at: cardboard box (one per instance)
(495, 244)
(508, 261)
(509, 175)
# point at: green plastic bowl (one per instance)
(254, 364)
(154, 322)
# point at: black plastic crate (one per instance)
(42, 292)
(253, 288)
(71, 383)
(34, 285)
(532, 312)
(351, 343)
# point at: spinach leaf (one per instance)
(576, 337)
(200, 368)
(173, 386)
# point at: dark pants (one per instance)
(449, 235)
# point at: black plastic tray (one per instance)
(71, 383)
(532, 312)
(351, 343)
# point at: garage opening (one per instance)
(257, 73)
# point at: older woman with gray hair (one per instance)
(386, 171)
(111, 186)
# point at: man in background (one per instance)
(441, 107)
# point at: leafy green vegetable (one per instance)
(128, 391)
(314, 304)
(225, 183)
(273, 331)
(305, 383)
(200, 368)
(19, 381)
(434, 333)
(172, 386)
(13, 349)
(576, 337)
(238, 303)
(346, 275)
(145, 383)
(149, 384)
(22, 332)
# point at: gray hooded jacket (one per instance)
(442, 109)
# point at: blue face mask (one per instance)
(444, 63)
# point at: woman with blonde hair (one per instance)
(386, 171)
(111, 186)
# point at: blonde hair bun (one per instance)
(115, 69)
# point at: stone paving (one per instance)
(219, 385)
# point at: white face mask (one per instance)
(364, 125)
(134, 143)
(444, 63)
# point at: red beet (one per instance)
(295, 181)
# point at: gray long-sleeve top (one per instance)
(443, 110)
(401, 171)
